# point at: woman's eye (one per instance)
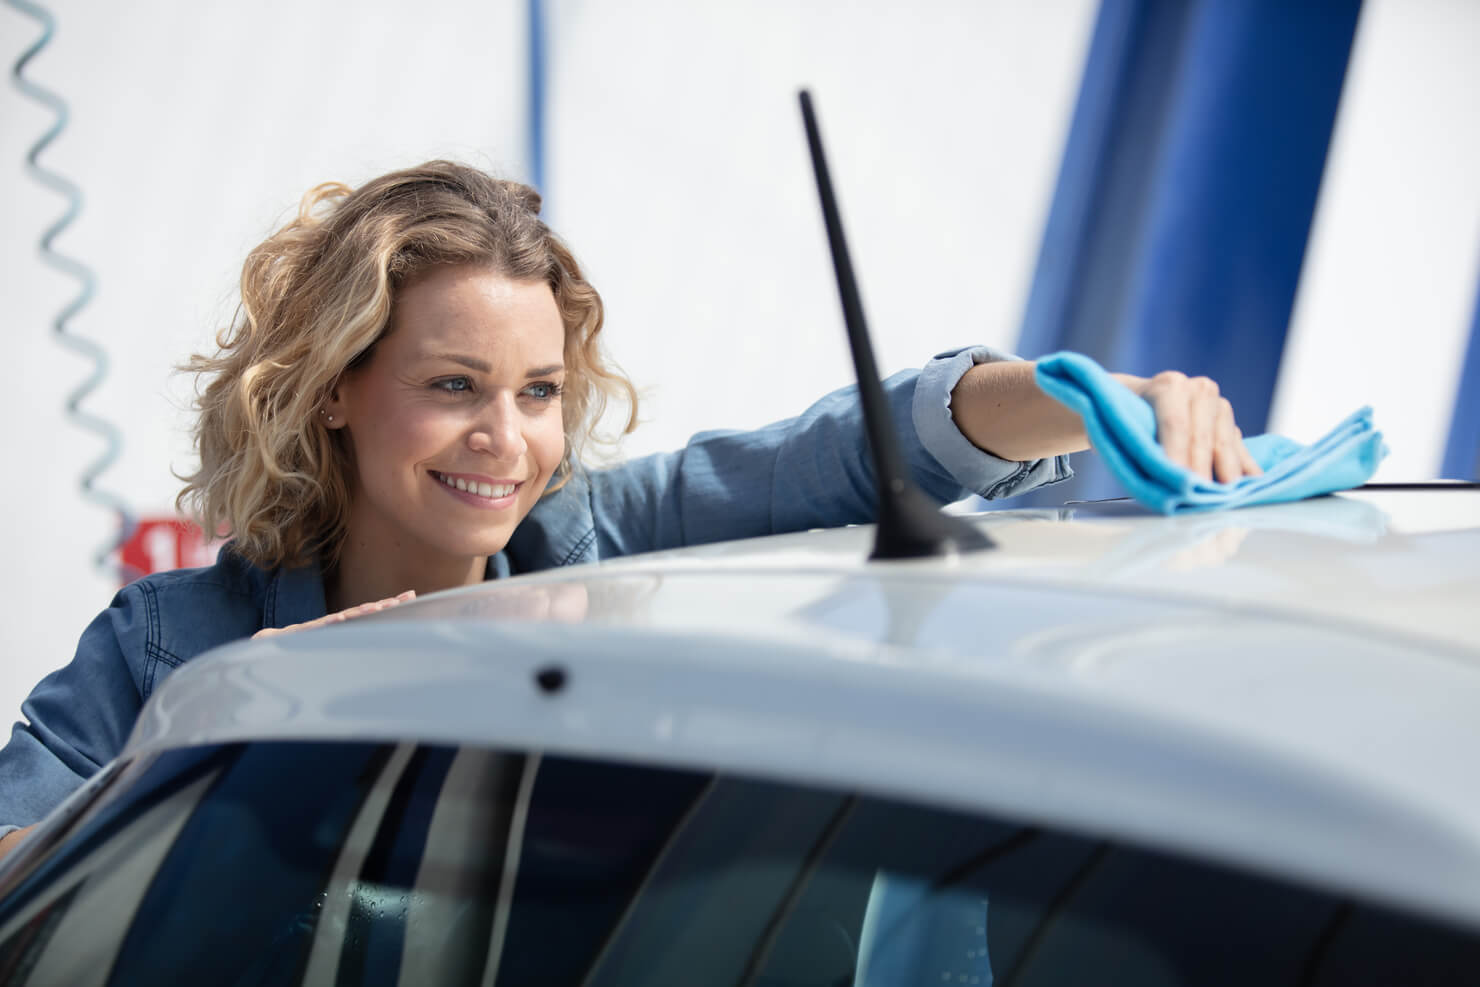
(455, 385)
(544, 391)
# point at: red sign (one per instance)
(160, 544)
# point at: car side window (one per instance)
(353, 863)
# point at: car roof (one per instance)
(1290, 688)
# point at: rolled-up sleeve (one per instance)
(976, 470)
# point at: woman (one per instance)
(400, 409)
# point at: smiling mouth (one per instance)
(488, 491)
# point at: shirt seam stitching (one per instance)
(269, 602)
(580, 546)
(1008, 481)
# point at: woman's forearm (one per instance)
(1000, 408)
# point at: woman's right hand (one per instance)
(339, 617)
(10, 839)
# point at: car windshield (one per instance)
(322, 863)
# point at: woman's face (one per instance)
(455, 419)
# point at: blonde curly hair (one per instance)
(315, 298)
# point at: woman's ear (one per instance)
(332, 412)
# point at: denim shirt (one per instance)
(810, 471)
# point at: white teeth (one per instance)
(485, 490)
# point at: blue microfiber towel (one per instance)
(1122, 428)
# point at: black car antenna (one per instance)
(910, 526)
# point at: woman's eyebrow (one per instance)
(471, 362)
(483, 366)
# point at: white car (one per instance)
(1118, 748)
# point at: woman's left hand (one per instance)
(1195, 426)
(9, 840)
(338, 617)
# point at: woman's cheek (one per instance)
(552, 446)
(425, 428)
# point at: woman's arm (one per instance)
(77, 718)
(1000, 408)
(814, 470)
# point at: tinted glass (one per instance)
(306, 863)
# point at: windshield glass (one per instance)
(319, 863)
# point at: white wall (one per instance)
(195, 128)
(1386, 299)
(677, 171)
(680, 172)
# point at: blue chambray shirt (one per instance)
(806, 472)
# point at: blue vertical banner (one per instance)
(1186, 193)
(536, 94)
(1462, 451)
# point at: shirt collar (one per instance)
(559, 531)
(294, 595)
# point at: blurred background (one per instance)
(1282, 195)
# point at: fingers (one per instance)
(1247, 461)
(1228, 444)
(1196, 427)
(374, 606)
(1203, 415)
(1171, 396)
(339, 616)
(9, 841)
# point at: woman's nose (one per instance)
(498, 429)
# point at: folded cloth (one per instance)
(1122, 429)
